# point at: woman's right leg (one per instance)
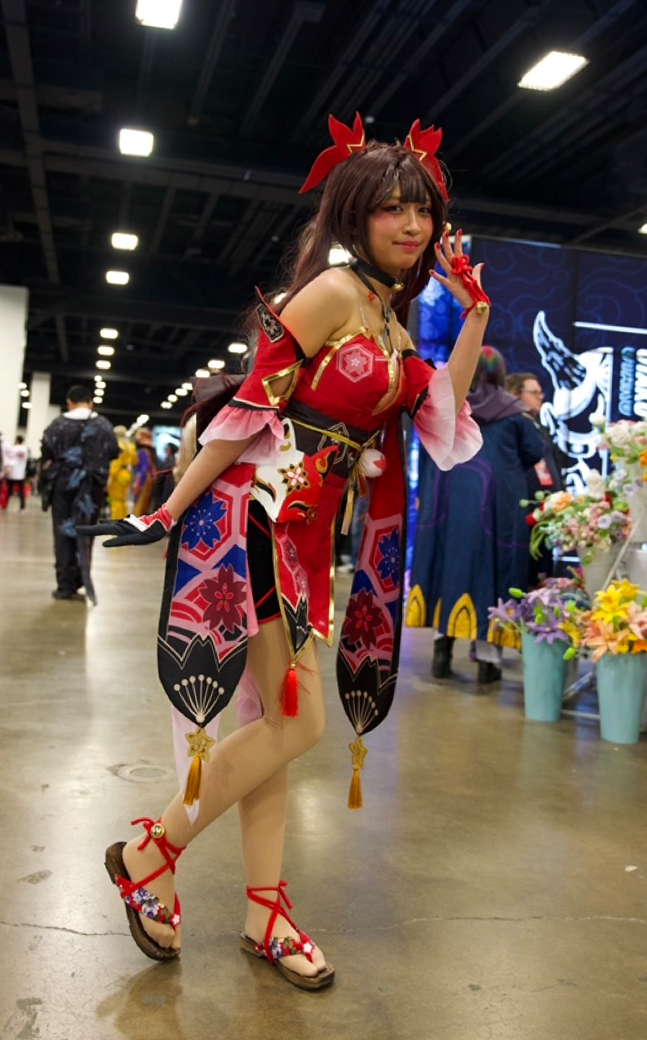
(239, 764)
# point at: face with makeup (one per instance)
(399, 232)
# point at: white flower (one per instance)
(596, 484)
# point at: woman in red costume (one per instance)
(248, 580)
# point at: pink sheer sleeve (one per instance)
(448, 438)
(234, 423)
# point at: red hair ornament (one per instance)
(347, 142)
(423, 143)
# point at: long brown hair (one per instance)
(354, 189)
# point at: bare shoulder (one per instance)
(322, 307)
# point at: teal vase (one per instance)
(544, 678)
(622, 682)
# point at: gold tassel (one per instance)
(348, 511)
(200, 745)
(355, 800)
(358, 752)
(192, 792)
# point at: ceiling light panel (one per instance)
(552, 71)
(237, 348)
(103, 364)
(103, 350)
(135, 142)
(108, 333)
(123, 240)
(117, 277)
(158, 14)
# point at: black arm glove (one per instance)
(133, 530)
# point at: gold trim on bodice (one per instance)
(391, 357)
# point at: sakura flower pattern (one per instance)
(225, 596)
(202, 525)
(388, 566)
(363, 620)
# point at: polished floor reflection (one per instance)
(494, 885)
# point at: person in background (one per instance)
(76, 453)
(546, 474)
(121, 475)
(472, 539)
(145, 472)
(15, 459)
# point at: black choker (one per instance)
(366, 269)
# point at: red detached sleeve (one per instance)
(256, 409)
(448, 438)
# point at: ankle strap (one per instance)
(156, 832)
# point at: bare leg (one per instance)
(241, 763)
(263, 811)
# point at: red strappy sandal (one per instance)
(137, 899)
(274, 949)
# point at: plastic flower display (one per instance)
(617, 621)
(597, 520)
(548, 613)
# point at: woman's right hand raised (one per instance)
(133, 530)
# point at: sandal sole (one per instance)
(115, 866)
(324, 978)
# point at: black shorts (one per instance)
(261, 564)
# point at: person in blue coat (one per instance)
(472, 540)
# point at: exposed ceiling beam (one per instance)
(517, 98)
(17, 34)
(302, 11)
(208, 65)
(47, 304)
(341, 67)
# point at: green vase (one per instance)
(622, 683)
(544, 678)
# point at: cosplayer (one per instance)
(145, 472)
(121, 475)
(250, 561)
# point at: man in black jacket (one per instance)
(76, 453)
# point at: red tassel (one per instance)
(291, 693)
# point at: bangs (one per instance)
(410, 176)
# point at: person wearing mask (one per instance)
(472, 539)
(76, 453)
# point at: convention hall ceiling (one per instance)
(237, 97)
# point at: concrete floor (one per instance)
(493, 886)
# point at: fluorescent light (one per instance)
(158, 14)
(117, 277)
(122, 240)
(103, 364)
(108, 333)
(142, 419)
(22, 386)
(202, 373)
(643, 229)
(135, 142)
(216, 363)
(97, 400)
(187, 386)
(181, 392)
(553, 70)
(24, 393)
(99, 381)
(337, 255)
(166, 404)
(26, 404)
(237, 348)
(172, 397)
(104, 350)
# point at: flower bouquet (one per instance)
(626, 442)
(546, 620)
(615, 630)
(587, 524)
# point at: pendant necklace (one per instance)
(362, 270)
